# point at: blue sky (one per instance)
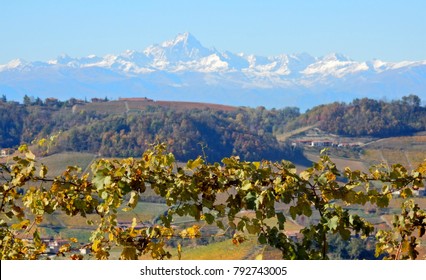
(361, 29)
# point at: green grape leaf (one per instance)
(333, 223)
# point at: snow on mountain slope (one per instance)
(335, 65)
(184, 63)
(186, 53)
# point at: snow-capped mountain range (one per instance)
(183, 69)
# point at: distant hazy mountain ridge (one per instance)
(183, 69)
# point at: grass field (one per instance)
(226, 250)
(223, 250)
(284, 136)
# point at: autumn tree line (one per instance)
(189, 133)
(368, 117)
(246, 132)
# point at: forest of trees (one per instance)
(247, 132)
(189, 133)
(368, 117)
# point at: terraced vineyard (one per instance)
(409, 151)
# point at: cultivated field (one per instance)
(409, 151)
(139, 104)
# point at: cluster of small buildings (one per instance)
(6, 152)
(324, 143)
(415, 193)
(53, 246)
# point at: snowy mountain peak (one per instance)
(183, 66)
(184, 48)
(63, 59)
(14, 64)
(183, 40)
(335, 57)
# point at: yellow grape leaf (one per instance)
(23, 148)
(96, 245)
(42, 141)
(179, 251)
(39, 219)
(192, 164)
(65, 248)
(256, 164)
(30, 155)
(134, 222)
(305, 175)
(167, 232)
(191, 232)
(129, 253)
(43, 171)
(22, 225)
